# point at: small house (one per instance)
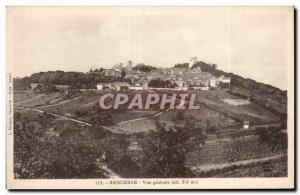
(213, 82)
(99, 86)
(224, 79)
(246, 124)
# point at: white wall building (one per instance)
(136, 87)
(246, 124)
(99, 87)
(213, 82)
(224, 79)
(33, 85)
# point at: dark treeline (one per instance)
(144, 68)
(72, 78)
(237, 81)
(65, 78)
(184, 65)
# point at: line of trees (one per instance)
(65, 78)
(184, 65)
(144, 68)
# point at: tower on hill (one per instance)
(192, 61)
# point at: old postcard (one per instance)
(150, 97)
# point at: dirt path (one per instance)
(133, 120)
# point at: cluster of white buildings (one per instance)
(185, 78)
(118, 85)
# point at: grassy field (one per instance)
(214, 100)
(203, 117)
(23, 96)
(213, 109)
(251, 112)
(34, 100)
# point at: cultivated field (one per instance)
(71, 115)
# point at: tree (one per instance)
(184, 65)
(127, 167)
(214, 66)
(38, 88)
(210, 128)
(69, 78)
(143, 68)
(54, 77)
(165, 153)
(17, 116)
(204, 66)
(115, 149)
(180, 115)
(44, 120)
(102, 119)
(123, 73)
(21, 84)
(274, 137)
(39, 156)
(48, 88)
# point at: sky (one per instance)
(253, 42)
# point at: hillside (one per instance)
(265, 95)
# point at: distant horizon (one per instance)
(253, 42)
(111, 67)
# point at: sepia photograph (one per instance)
(169, 97)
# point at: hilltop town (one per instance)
(195, 75)
(140, 76)
(239, 130)
(178, 77)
